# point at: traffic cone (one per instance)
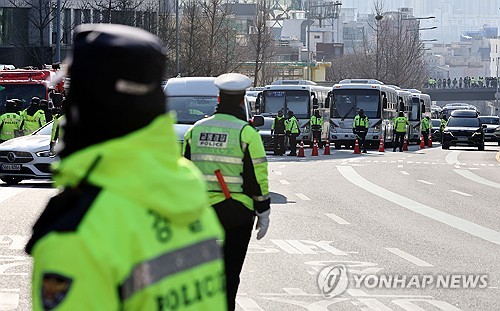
(327, 148)
(381, 145)
(405, 145)
(356, 147)
(422, 145)
(301, 150)
(429, 142)
(315, 149)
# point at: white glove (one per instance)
(262, 223)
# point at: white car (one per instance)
(27, 157)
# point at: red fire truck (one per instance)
(24, 84)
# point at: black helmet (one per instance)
(126, 64)
(10, 105)
(35, 100)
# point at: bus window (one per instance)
(346, 103)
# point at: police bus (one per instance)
(300, 96)
(416, 109)
(379, 103)
(193, 98)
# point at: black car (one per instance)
(435, 130)
(464, 129)
(492, 122)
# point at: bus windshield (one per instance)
(23, 92)
(191, 109)
(347, 103)
(414, 112)
(294, 100)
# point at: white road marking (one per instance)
(13, 241)
(426, 162)
(405, 173)
(410, 162)
(393, 161)
(461, 193)
(482, 164)
(434, 163)
(308, 247)
(425, 182)
(491, 165)
(418, 162)
(452, 157)
(286, 247)
(414, 260)
(337, 219)
(248, 304)
(281, 166)
(303, 196)
(469, 175)
(461, 224)
(9, 299)
(457, 166)
(295, 291)
(7, 193)
(399, 166)
(277, 173)
(284, 182)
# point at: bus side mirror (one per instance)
(258, 121)
(327, 102)
(315, 103)
(384, 103)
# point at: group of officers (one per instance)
(16, 123)
(135, 225)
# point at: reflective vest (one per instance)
(219, 143)
(278, 125)
(56, 129)
(139, 234)
(360, 122)
(316, 123)
(425, 125)
(400, 124)
(443, 123)
(34, 122)
(292, 125)
(216, 144)
(9, 122)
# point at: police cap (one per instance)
(233, 83)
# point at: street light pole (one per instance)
(178, 67)
(378, 17)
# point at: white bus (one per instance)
(378, 101)
(193, 98)
(300, 96)
(417, 109)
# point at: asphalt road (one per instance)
(423, 217)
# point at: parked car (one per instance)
(265, 133)
(27, 157)
(464, 129)
(492, 123)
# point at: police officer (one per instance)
(133, 228)
(360, 128)
(9, 121)
(231, 156)
(58, 117)
(424, 129)
(44, 105)
(278, 132)
(442, 125)
(400, 123)
(316, 123)
(32, 117)
(292, 131)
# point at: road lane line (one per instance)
(457, 166)
(337, 219)
(405, 173)
(461, 224)
(425, 182)
(303, 196)
(248, 304)
(277, 173)
(284, 182)
(452, 157)
(414, 260)
(461, 193)
(399, 166)
(7, 193)
(295, 291)
(469, 175)
(286, 247)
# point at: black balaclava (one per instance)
(231, 104)
(116, 77)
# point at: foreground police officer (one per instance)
(316, 123)
(9, 121)
(230, 154)
(400, 123)
(132, 228)
(360, 128)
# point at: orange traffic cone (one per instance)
(356, 147)
(315, 148)
(422, 145)
(381, 145)
(429, 142)
(405, 145)
(327, 148)
(301, 150)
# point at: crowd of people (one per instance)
(461, 83)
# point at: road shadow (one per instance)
(277, 198)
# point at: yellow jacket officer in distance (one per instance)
(132, 228)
